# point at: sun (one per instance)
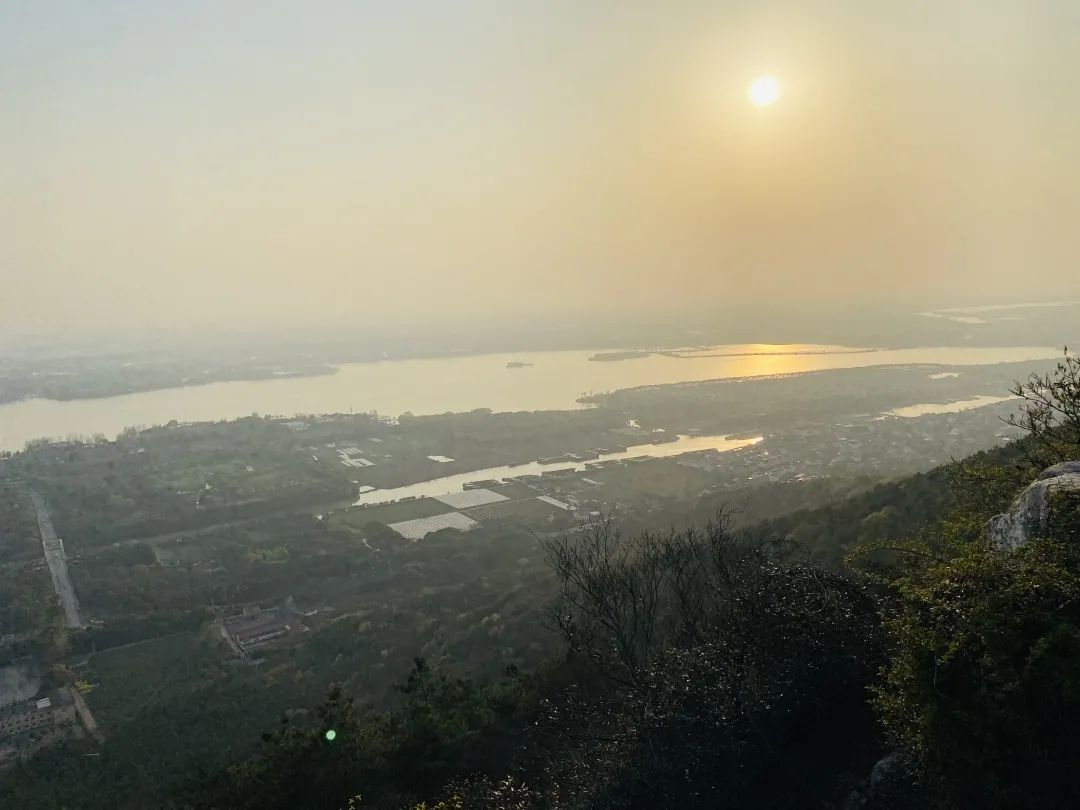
(764, 91)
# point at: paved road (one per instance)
(86, 656)
(57, 562)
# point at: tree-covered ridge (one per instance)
(881, 652)
(721, 668)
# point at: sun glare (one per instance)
(763, 91)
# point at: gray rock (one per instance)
(1064, 468)
(1029, 516)
(894, 785)
(886, 770)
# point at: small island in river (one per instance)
(610, 357)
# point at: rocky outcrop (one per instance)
(1047, 508)
(894, 784)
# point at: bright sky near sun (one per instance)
(249, 162)
(764, 91)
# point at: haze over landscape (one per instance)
(510, 406)
(351, 166)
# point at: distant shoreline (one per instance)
(561, 381)
(105, 390)
(615, 357)
(103, 384)
(702, 353)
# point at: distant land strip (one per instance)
(694, 354)
(690, 354)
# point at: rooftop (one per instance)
(421, 527)
(470, 498)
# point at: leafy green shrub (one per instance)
(984, 681)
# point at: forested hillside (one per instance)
(884, 651)
(896, 649)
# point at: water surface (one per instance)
(455, 483)
(554, 381)
(927, 408)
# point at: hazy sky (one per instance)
(202, 163)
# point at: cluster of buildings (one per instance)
(28, 724)
(351, 457)
(864, 444)
(255, 627)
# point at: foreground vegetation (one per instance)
(709, 668)
(720, 666)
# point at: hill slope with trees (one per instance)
(882, 652)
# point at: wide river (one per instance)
(554, 381)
